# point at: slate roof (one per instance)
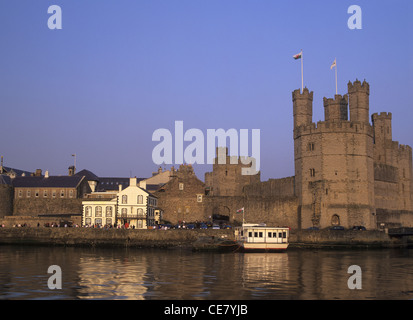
(5, 179)
(106, 184)
(18, 172)
(90, 176)
(50, 182)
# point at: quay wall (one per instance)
(184, 238)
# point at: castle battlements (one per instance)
(338, 99)
(381, 115)
(357, 86)
(334, 127)
(306, 94)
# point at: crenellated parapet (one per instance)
(334, 128)
(302, 107)
(336, 109)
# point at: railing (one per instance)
(132, 216)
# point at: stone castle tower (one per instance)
(334, 171)
(226, 178)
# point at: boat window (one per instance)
(260, 234)
(269, 234)
(250, 234)
(284, 234)
(274, 234)
(280, 235)
(255, 234)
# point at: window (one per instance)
(124, 212)
(274, 234)
(62, 193)
(70, 193)
(45, 193)
(140, 224)
(54, 193)
(140, 199)
(284, 234)
(269, 234)
(20, 193)
(311, 146)
(280, 235)
(260, 234)
(181, 186)
(140, 212)
(124, 199)
(199, 198)
(88, 221)
(312, 172)
(98, 221)
(28, 194)
(255, 234)
(88, 211)
(109, 221)
(36, 194)
(108, 211)
(250, 234)
(98, 211)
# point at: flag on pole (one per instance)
(332, 66)
(298, 55)
(240, 210)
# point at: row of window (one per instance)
(108, 221)
(46, 193)
(151, 201)
(260, 234)
(98, 211)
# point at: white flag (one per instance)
(333, 65)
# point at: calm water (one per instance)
(181, 274)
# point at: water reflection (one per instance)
(169, 274)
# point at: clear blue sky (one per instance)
(119, 70)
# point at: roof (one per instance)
(106, 184)
(18, 172)
(5, 179)
(90, 176)
(50, 182)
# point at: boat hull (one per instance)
(263, 247)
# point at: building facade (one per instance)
(131, 207)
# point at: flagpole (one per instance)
(302, 72)
(336, 75)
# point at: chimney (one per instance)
(142, 184)
(38, 173)
(46, 174)
(133, 182)
(120, 188)
(71, 170)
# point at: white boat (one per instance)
(259, 237)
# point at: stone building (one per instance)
(49, 195)
(183, 197)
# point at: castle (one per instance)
(348, 172)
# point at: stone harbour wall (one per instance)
(185, 238)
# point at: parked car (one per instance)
(337, 228)
(361, 228)
(227, 227)
(313, 228)
(203, 226)
(190, 226)
(215, 226)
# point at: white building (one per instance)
(132, 207)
